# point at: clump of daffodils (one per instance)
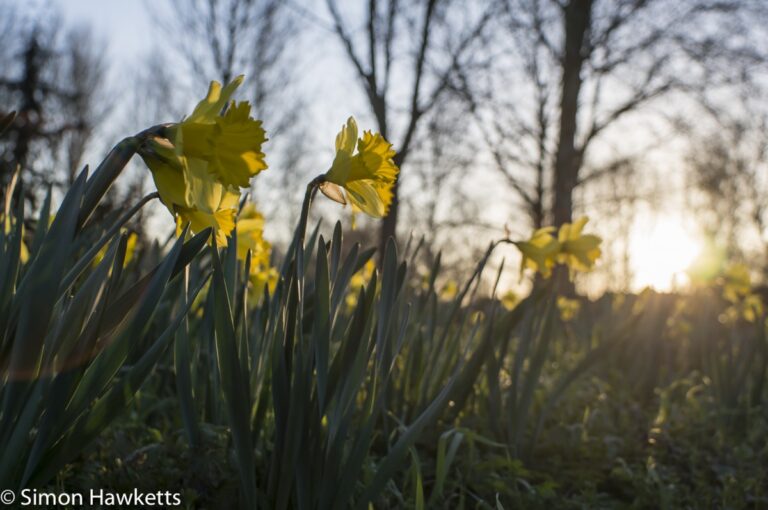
(202, 162)
(363, 172)
(200, 166)
(250, 240)
(359, 281)
(568, 308)
(571, 247)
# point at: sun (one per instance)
(661, 250)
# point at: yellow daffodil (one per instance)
(509, 300)
(206, 158)
(539, 252)
(737, 290)
(359, 280)
(569, 308)
(750, 308)
(211, 204)
(230, 143)
(168, 171)
(8, 227)
(736, 282)
(250, 237)
(366, 176)
(578, 251)
(190, 193)
(449, 291)
(262, 279)
(250, 231)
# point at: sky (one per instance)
(122, 24)
(128, 33)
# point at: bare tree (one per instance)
(585, 66)
(220, 39)
(54, 80)
(417, 47)
(728, 183)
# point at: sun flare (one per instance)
(661, 252)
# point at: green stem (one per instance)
(309, 195)
(112, 166)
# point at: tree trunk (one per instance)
(576, 18)
(389, 224)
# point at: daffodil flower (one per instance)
(539, 252)
(736, 282)
(578, 251)
(568, 308)
(571, 247)
(250, 239)
(206, 158)
(8, 226)
(737, 290)
(363, 171)
(230, 143)
(211, 204)
(189, 192)
(168, 171)
(358, 281)
(509, 300)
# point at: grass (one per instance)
(344, 389)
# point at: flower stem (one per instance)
(301, 233)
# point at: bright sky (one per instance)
(123, 24)
(662, 244)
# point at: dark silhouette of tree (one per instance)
(579, 68)
(54, 83)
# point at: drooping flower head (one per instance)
(578, 251)
(365, 176)
(205, 159)
(211, 204)
(571, 247)
(539, 252)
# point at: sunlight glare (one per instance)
(661, 252)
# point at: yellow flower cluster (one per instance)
(207, 157)
(201, 166)
(571, 247)
(250, 239)
(366, 176)
(358, 281)
(569, 308)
